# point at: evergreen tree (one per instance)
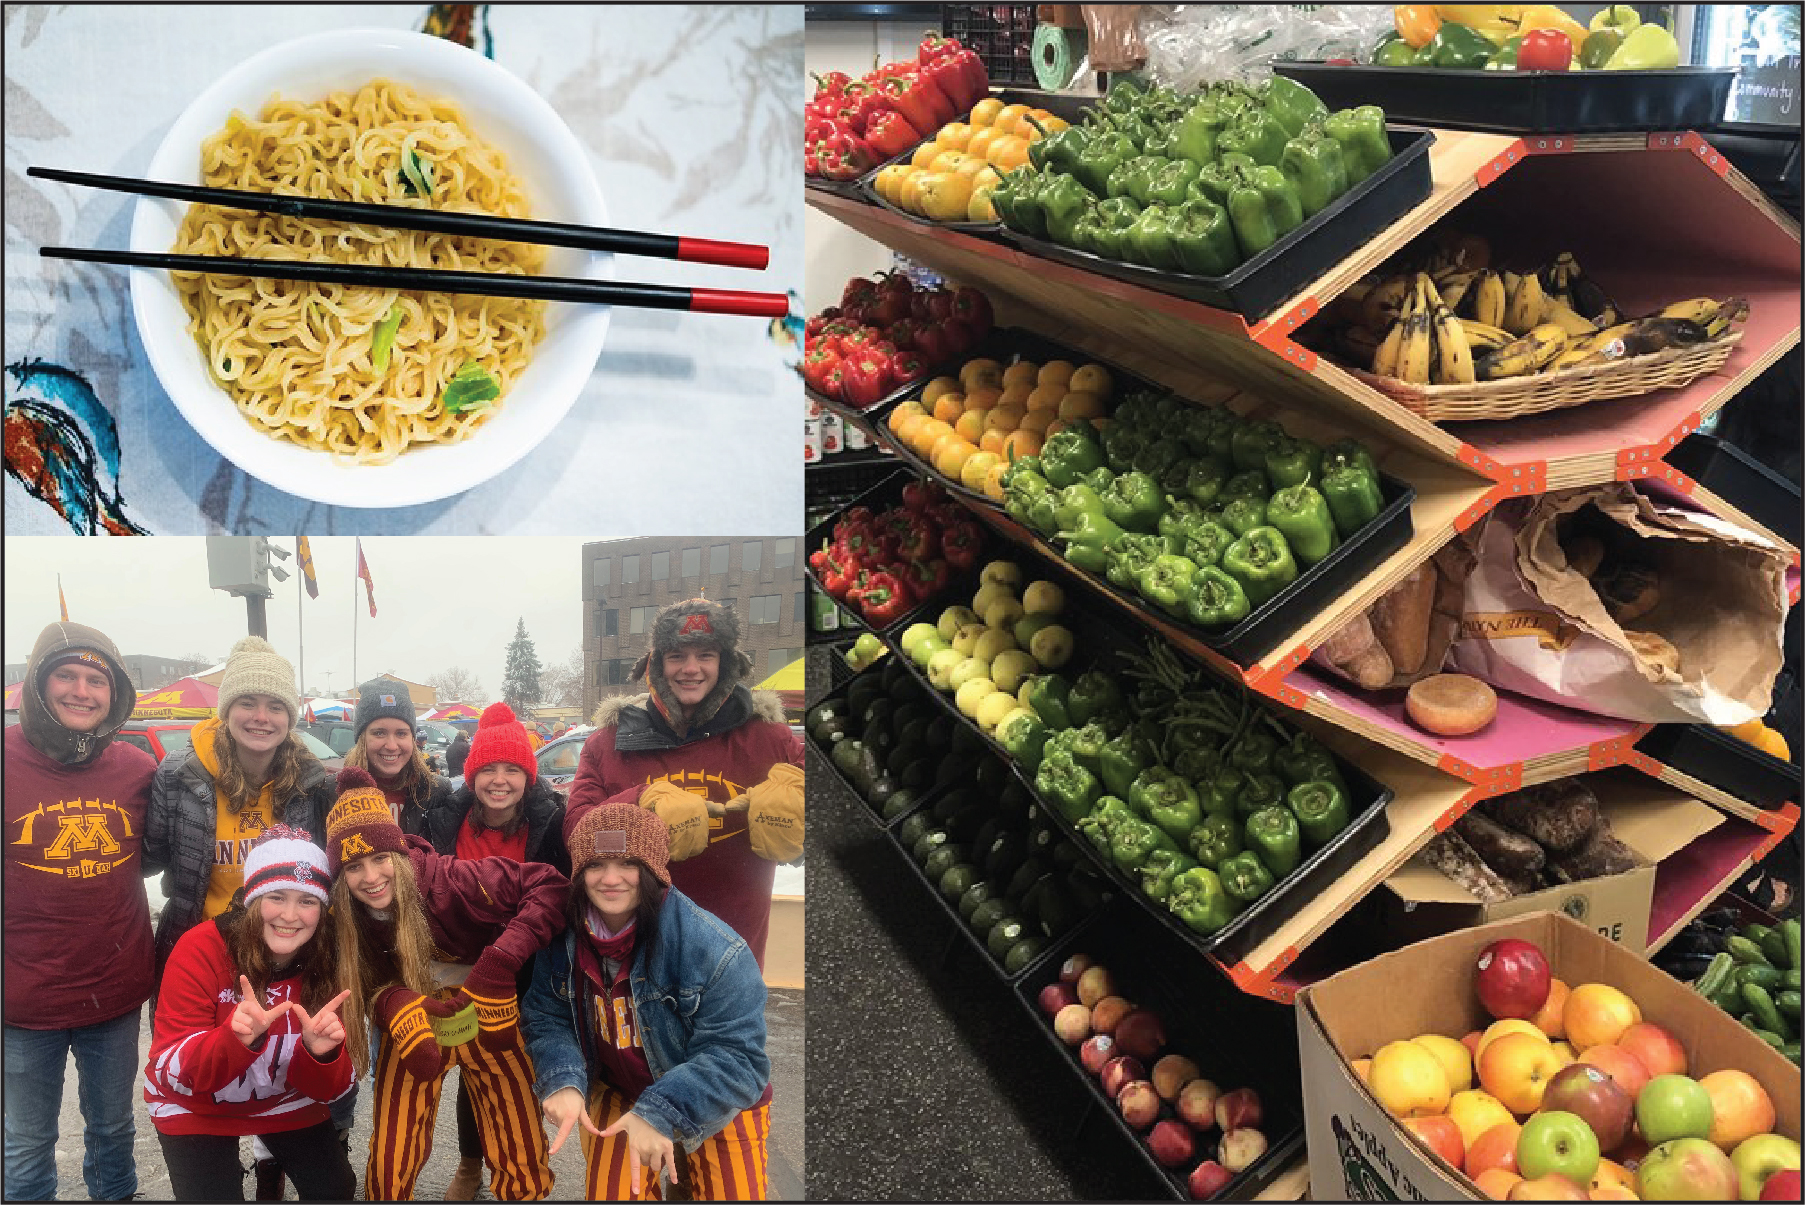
(520, 677)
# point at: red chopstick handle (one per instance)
(731, 255)
(733, 301)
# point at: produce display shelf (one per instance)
(1687, 882)
(1732, 242)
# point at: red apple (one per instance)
(1759, 1159)
(1073, 1024)
(1551, 1187)
(1630, 1072)
(1093, 985)
(1658, 1049)
(1138, 1103)
(1594, 1097)
(1239, 1109)
(1172, 1143)
(1056, 996)
(1633, 1151)
(1440, 1135)
(1560, 1143)
(1687, 1169)
(1781, 1186)
(1207, 1179)
(1241, 1149)
(1496, 1148)
(1120, 1072)
(1171, 1074)
(1141, 1034)
(1197, 1104)
(1108, 1012)
(1076, 965)
(1512, 978)
(1096, 1051)
(1471, 1042)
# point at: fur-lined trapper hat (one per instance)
(693, 623)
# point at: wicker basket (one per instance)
(1514, 397)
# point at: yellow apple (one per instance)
(1453, 1058)
(1475, 1111)
(1596, 1014)
(1408, 1080)
(1516, 1069)
(1498, 1029)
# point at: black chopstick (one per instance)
(440, 280)
(437, 221)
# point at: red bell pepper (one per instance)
(891, 306)
(919, 495)
(915, 540)
(961, 542)
(971, 305)
(933, 46)
(908, 366)
(832, 83)
(884, 600)
(817, 366)
(926, 108)
(890, 134)
(859, 288)
(1545, 50)
(833, 382)
(902, 333)
(930, 577)
(934, 342)
(950, 77)
(867, 378)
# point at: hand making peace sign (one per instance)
(250, 1020)
(323, 1031)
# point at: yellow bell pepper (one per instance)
(1758, 734)
(1416, 23)
(1547, 16)
(1495, 22)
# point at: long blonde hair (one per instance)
(285, 773)
(415, 778)
(365, 967)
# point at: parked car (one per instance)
(340, 734)
(557, 760)
(434, 738)
(160, 738)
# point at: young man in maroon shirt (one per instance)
(75, 805)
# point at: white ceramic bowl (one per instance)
(500, 109)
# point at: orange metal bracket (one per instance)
(1275, 333)
(1694, 143)
(1778, 824)
(1621, 751)
(1514, 481)
(1261, 983)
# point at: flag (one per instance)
(307, 716)
(60, 600)
(304, 554)
(363, 571)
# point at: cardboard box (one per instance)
(1358, 1152)
(1652, 818)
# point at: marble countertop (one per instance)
(691, 120)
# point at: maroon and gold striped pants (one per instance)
(507, 1123)
(728, 1166)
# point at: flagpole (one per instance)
(358, 546)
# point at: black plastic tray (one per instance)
(826, 751)
(870, 194)
(1195, 1011)
(839, 188)
(1738, 478)
(1263, 283)
(1527, 102)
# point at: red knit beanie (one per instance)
(500, 738)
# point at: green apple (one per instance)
(1010, 668)
(993, 592)
(954, 618)
(966, 670)
(1052, 646)
(967, 637)
(1759, 1157)
(1002, 573)
(994, 641)
(1673, 1106)
(993, 707)
(972, 693)
(926, 647)
(915, 634)
(1003, 613)
(1027, 625)
(940, 668)
(1026, 689)
(1557, 1141)
(1043, 598)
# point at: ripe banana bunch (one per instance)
(1534, 350)
(1427, 343)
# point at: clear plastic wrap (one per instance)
(1191, 45)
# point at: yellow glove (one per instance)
(774, 814)
(686, 814)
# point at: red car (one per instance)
(160, 738)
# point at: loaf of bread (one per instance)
(1400, 619)
(1560, 815)
(1656, 650)
(1602, 854)
(1451, 855)
(1511, 854)
(1355, 653)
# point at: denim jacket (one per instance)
(699, 1010)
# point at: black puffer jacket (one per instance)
(542, 807)
(429, 793)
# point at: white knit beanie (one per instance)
(285, 860)
(254, 667)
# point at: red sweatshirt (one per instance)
(728, 879)
(493, 913)
(202, 1080)
(75, 884)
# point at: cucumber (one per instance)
(1760, 975)
(1746, 951)
(1761, 1007)
(1728, 997)
(1791, 980)
(1790, 932)
(1756, 932)
(974, 895)
(1791, 1051)
(1773, 944)
(1771, 1038)
(1788, 1004)
(1715, 976)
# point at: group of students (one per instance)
(595, 963)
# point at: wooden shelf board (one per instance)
(1686, 882)
(1766, 817)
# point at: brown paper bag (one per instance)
(1536, 626)
(1115, 43)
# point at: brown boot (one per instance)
(465, 1181)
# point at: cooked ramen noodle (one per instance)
(363, 373)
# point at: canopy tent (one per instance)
(456, 711)
(789, 683)
(188, 699)
(13, 694)
(328, 709)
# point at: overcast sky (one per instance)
(440, 602)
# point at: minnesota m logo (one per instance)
(85, 834)
(353, 846)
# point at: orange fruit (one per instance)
(985, 111)
(906, 429)
(904, 410)
(1037, 421)
(983, 397)
(1079, 404)
(1056, 370)
(1092, 378)
(935, 388)
(993, 438)
(954, 135)
(970, 425)
(1046, 397)
(1007, 154)
(1021, 443)
(1055, 427)
(976, 373)
(1006, 418)
(980, 142)
(1008, 117)
(1016, 394)
(993, 481)
(950, 459)
(1022, 372)
(949, 407)
(930, 430)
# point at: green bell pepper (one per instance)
(1122, 440)
(1069, 455)
(1024, 737)
(1206, 541)
(1317, 169)
(1064, 200)
(1250, 483)
(1261, 791)
(1086, 742)
(1393, 51)
(1200, 902)
(1132, 839)
(1095, 696)
(1205, 478)
(1256, 134)
(1505, 57)
(1595, 51)
(1290, 103)
(1204, 236)
(1243, 515)
(1158, 455)
(1041, 515)
(1216, 600)
(1087, 234)
(1126, 559)
(1161, 140)
(1018, 201)
(1345, 452)
(1263, 208)
(1195, 764)
(1252, 753)
(1321, 809)
(1261, 561)
(1220, 178)
(1250, 441)
(1105, 152)
(1161, 867)
(1195, 134)
(1047, 699)
(1020, 492)
(1111, 221)
(1292, 462)
(1460, 47)
(1068, 786)
(1169, 182)
(1166, 583)
(1221, 790)
(1075, 501)
(1353, 498)
(1130, 178)
(1059, 151)
(1302, 515)
(1272, 833)
(1135, 127)
(1304, 759)
(1152, 241)
(1167, 800)
(1097, 827)
(1364, 144)
(1245, 877)
(1123, 760)
(1215, 839)
(1134, 502)
(1124, 96)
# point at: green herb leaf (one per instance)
(416, 174)
(470, 388)
(384, 338)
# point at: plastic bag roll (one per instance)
(1057, 53)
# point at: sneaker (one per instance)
(269, 1180)
(465, 1181)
